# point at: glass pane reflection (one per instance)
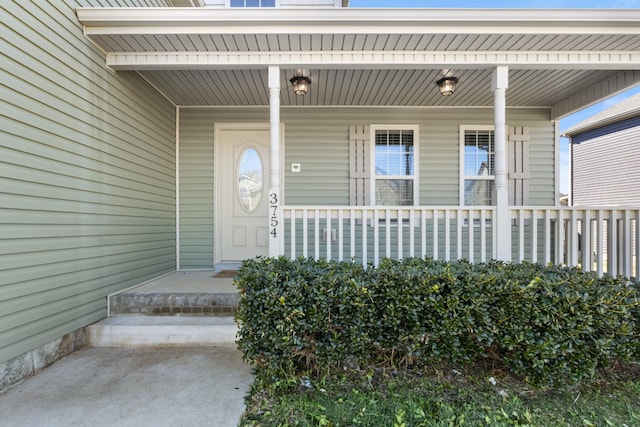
(250, 180)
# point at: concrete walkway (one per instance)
(188, 386)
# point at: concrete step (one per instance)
(144, 302)
(161, 331)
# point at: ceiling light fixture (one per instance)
(300, 84)
(447, 85)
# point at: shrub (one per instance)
(558, 325)
(550, 325)
(635, 341)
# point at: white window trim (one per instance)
(463, 177)
(416, 160)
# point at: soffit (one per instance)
(366, 42)
(362, 87)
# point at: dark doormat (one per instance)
(225, 274)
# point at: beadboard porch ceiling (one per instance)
(196, 56)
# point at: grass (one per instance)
(441, 396)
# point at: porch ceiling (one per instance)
(372, 87)
(559, 59)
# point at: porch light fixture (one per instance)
(447, 85)
(300, 84)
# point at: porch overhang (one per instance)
(560, 59)
(103, 20)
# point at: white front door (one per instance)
(243, 186)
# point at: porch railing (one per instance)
(604, 240)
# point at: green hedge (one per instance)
(549, 325)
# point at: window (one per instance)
(252, 3)
(478, 159)
(394, 165)
(250, 176)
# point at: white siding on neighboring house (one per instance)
(318, 139)
(606, 169)
(87, 173)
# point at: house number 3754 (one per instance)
(273, 212)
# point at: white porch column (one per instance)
(275, 217)
(499, 85)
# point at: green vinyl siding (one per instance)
(319, 141)
(541, 153)
(318, 138)
(87, 176)
(196, 192)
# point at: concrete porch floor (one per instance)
(194, 282)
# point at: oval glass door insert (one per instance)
(250, 180)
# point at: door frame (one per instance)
(218, 128)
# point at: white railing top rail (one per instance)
(462, 208)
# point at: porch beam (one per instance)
(499, 85)
(275, 219)
(597, 60)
